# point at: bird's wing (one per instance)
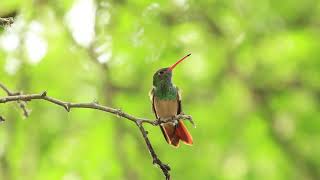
(151, 95)
(181, 132)
(179, 101)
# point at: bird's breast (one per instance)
(165, 108)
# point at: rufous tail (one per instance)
(174, 134)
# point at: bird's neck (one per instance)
(166, 91)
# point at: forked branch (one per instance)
(23, 98)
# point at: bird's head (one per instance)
(163, 76)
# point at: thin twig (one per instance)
(93, 105)
(10, 93)
(6, 21)
(22, 105)
(164, 167)
(19, 97)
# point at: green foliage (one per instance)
(251, 84)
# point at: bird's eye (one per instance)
(161, 72)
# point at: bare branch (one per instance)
(6, 21)
(93, 105)
(19, 97)
(164, 167)
(22, 105)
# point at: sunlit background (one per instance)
(252, 86)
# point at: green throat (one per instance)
(166, 91)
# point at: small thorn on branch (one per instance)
(67, 106)
(95, 102)
(139, 123)
(155, 161)
(119, 113)
(21, 99)
(167, 167)
(160, 164)
(44, 94)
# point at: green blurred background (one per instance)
(252, 86)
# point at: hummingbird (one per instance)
(166, 103)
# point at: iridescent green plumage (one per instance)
(162, 85)
(166, 103)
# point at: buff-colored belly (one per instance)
(165, 108)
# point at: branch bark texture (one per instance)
(6, 21)
(23, 98)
